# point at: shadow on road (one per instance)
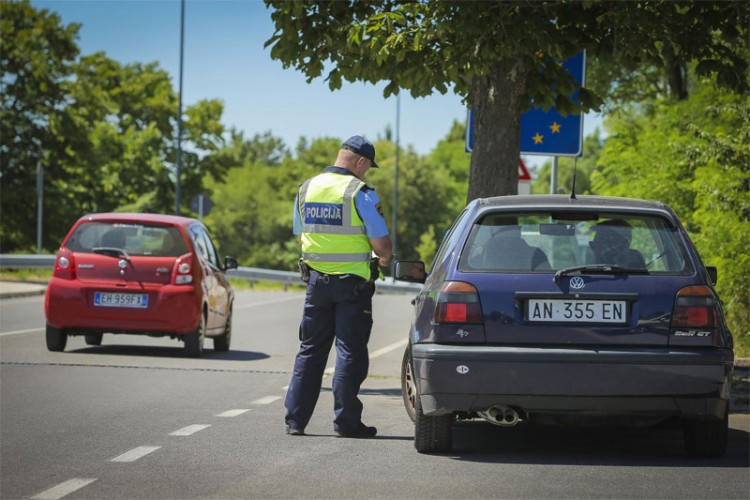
(532, 444)
(373, 392)
(169, 352)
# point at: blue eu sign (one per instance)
(548, 132)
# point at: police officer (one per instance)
(340, 223)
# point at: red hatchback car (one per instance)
(158, 275)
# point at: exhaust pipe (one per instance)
(502, 415)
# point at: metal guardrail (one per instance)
(26, 260)
(389, 285)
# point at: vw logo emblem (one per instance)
(123, 264)
(576, 283)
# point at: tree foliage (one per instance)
(252, 216)
(37, 56)
(502, 56)
(693, 155)
(103, 132)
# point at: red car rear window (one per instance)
(135, 238)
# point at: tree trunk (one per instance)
(496, 99)
(675, 74)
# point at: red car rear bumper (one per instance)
(171, 308)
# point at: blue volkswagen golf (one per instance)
(561, 310)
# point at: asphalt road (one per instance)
(134, 418)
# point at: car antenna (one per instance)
(573, 190)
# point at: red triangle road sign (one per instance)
(523, 172)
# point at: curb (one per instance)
(17, 289)
(16, 295)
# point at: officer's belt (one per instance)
(339, 276)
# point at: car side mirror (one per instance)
(230, 263)
(713, 274)
(410, 270)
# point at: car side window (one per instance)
(200, 243)
(213, 255)
(445, 245)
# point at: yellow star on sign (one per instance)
(555, 127)
(538, 138)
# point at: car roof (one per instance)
(565, 201)
(174, 220)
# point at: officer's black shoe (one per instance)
(362, 432)
(293, 431)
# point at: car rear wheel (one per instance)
(94, 338)
(194, 341)
(431, 434)
(222, 342)
(56, 339)
(706, 437)
(408, 387)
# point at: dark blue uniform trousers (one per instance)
(341, 309)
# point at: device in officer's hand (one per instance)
(374, 269)
(304, 271)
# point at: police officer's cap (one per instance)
(361, 146)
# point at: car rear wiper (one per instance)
(598, 269)
(115, 252)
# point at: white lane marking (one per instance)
(266, 400)
(63, 489)
(232, 413)
(135, 454)
(18, 332)
(374, 354)
(389, 348)
(190, 429)
(266, 302)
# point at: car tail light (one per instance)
(65, 266)
(695, 307)
(183, 270)
(458, 302)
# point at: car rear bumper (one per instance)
(665, 381)
(171, 309)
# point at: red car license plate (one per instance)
(108, 299)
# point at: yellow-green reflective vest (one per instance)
(333, 235)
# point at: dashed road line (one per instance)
(375, 354)
(63, 489)
(266, 400)
(232, 413)
(135, 454)
(189, 430)
(18, 332)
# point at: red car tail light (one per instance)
(458, 302)
(183, 270)
(695, 307)
(65, 266)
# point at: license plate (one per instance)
(107, 299)
(577, 311)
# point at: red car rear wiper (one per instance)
(598, 269)
(115, 252)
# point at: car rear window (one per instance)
(547, 242)
(135, 238)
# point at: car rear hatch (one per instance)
(541, 280)
(610, 310)
(125, 253)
